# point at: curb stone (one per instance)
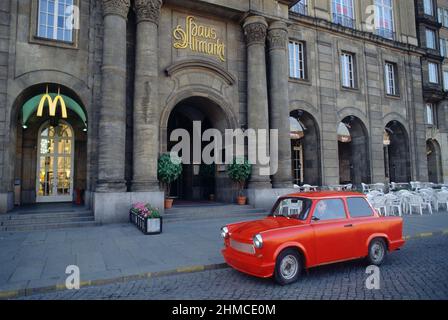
(148, 275)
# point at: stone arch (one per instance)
(353, 112)
(28, 86)
(306, 151)
(434, 156)
(396, 154)
(354, 155)
(230, 120)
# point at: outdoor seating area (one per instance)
(396, 198)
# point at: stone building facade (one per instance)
(136, 70)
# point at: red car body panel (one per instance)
(320, 242)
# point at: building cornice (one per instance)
(328, 26)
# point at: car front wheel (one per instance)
(377, 251)
(288, 267)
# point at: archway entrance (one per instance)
(199, 181)
(396, 153)
(353, 148)
(305, 148)
(50, 162)
(434, 161)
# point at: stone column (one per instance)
(279, 101)
(112, 125)
(146, 99)
(257, 96)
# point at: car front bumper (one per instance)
(251, 264)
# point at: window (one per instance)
(443, 47)
(429, 114)
(301, 7)
(433, 70)
(343, 13)
(329, 210)
(390, 72)
(428, 7)
(297, 60)
(52, 20)
(297, 208)
(445, 80)
(384, 19)
(430, 39)
(358, 207)
(348, 70)
(443, 16)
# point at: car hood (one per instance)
(246, 230)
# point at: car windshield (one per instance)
(295, 208)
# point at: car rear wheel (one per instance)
(288, 267)
(377, 251)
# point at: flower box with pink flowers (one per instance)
(146, 218)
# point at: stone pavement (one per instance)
(418, 272)
(39, 259)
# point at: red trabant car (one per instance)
(305, 230)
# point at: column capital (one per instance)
(116, 7)
(255, 29)
(277, 35)
(148, 10)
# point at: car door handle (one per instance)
(348, 226)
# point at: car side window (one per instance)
(358, 207)
(329, 210)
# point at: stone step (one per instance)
(40, 216)
(47, 226)
(187, 213)
(47, 220)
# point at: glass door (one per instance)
(55, 163)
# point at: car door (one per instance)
(334, 234)
(365, 222)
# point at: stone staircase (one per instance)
(45, 218)
(211, 211)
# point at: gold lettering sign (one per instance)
(52, 105)
(199, 38)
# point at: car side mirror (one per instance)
(315, 219)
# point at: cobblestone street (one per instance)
(419, 271)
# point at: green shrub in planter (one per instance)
(239, 171)
(169, 170)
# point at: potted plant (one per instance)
(169, 170)
(146, 218)
(239, 171)
(207, 173)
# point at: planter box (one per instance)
(146, 225)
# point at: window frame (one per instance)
(346, 216)
(372, 211)
(433, 37)
(431, 7)
(382, 9)
(395, 80)
(445, 80)
(353, 81)
(294, 71)
(430, 114)
(34, 38)
(343, 3)
(430, 63)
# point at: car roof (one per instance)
(316, 195)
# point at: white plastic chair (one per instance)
(365, 188)
(379, 203)
(441, 198)
(348, 187)
(417, 201)
(394, 202)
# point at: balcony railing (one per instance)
(385, 33)
(343, 20)
(300, 8)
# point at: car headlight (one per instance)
(258, 241)
(224, 232)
